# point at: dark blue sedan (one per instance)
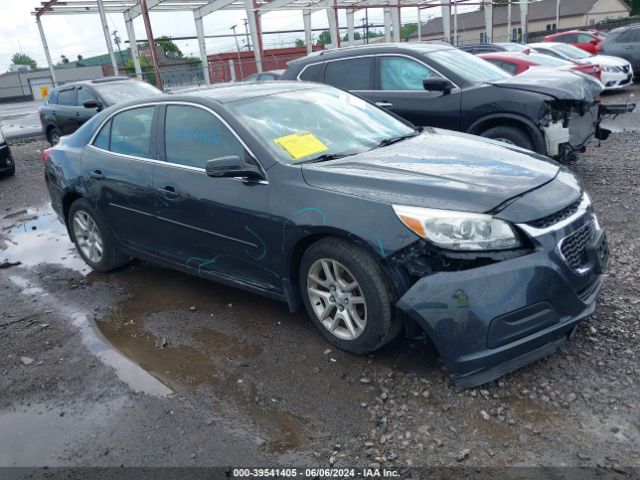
(313, 196)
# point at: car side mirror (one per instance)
(92, 103)
(595, 41)
(232, 166)
(437, 85)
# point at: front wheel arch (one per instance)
(510, 120)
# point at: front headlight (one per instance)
(612, 69)
(458, 230)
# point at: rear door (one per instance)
(118, 171)
(399, 89)
(219, 226)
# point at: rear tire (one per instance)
(342, 284)
(93, 239)
(510, 135)
(53, 136)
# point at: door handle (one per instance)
(384, 104)
(97, 174)
(169, 192)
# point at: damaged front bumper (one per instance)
(491, 320)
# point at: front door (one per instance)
(118, 171)
(400, 90)
(217, 226)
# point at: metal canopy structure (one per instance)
(255, 9)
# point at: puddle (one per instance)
(156, 329)
(38, 432)
(129, 372)
(36, 236)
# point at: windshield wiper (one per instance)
(328, 156)
(389, 141)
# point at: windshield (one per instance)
(574, 53)
(467, 66)
(514, 47)
(303, 125)
(117, 92)
(546, 60)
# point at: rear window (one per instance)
(52, 99)
(117, 92)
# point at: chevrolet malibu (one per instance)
(315, 197)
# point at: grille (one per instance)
(566, 212)
(573, 247)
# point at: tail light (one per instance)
(45, 155)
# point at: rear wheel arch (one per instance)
(68, 200)
(515, 121)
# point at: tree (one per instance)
(324, 38)
(63, 60)
(356, 36)
(167, 45)
(299, 42)
(24, 59)
(635, 7)
(407, 29)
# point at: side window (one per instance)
(84, 95)
(193, 136)
(551, 53)
(131, 132)
(67, 97)
(583, 38)
(102, 140)
(401, 73)
(570, 38)
(310, 74)
(352, 74)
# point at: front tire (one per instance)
(93, 239)
(9, 172)
(510, 135)
(348, 296)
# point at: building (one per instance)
(230, 66)
(35, 85)
(542, 20)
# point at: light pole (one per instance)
(235, 37)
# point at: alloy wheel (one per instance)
(87, 236)
(55, 138)
(337, 299)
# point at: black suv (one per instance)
(70, 105)
(624, 42)
(433, 84)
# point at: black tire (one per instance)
(382, 320)
(53, 136)
(112, 257)
(511, 135)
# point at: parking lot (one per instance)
(147, 366)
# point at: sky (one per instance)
(75, 35)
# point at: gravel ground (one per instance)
(147, 366)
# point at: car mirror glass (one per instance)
(437, 85)
(92, 103)
(231, 166)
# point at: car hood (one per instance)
(559, 84)
(605, 61)
(437, 169)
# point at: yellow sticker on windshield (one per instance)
(300, 145)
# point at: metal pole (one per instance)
(419, 26)
(350, 27)
(254, 30)
(488, 20)
(524, 21)
(235, 37)
(203, 49)
(308, 40)
(133, 46)
(446, 21)
(107, 37)
(509, 34)
(366, 17)
(335, 14)
(387, 25)
(46, 52)
(331, 19)
(395, 20)
(246, 31)
(557, 15)
(455, 22)
(152, 43)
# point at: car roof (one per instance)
(96, 81)
(626, 27)
(419, 47)
(231, 92)
(545, 44)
